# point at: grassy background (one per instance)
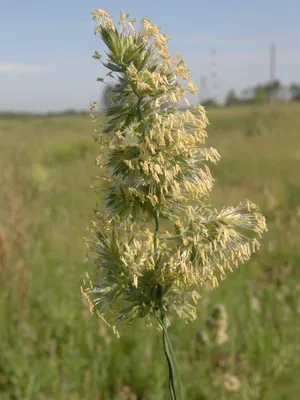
(52, 348)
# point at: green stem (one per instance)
(169, 352)
(175, 362)
(156, 215)
(162, 321)
(167, 348)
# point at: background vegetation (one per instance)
(52, 348)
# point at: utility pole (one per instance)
(203, 90)
(273, 62)
(214, 74)
(273, 94)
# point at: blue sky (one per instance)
(47, 46)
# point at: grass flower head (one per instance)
(158, 242)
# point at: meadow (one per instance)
(51, 347)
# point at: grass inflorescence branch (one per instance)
(155, 166)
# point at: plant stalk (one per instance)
(169, 352)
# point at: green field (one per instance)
(50, 345)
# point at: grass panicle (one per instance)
(155, 166)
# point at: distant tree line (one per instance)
(264, 93)
(28, 114)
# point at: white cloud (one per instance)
(16, 68)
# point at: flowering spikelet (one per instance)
(154, 165)
(231, 382)
(218, 324)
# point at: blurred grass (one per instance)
(52, 348)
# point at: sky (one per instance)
(46, 47)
